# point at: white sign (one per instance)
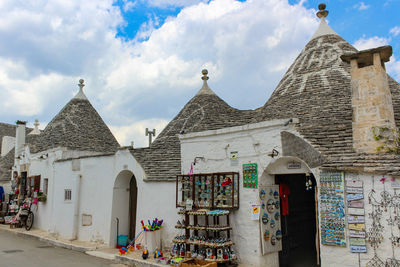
(355, 219)
(359, 234)
(351, 197)
(355, 190)
(255, 212)
(396, 184)
(354, 211)
(294, 165)
(234, 158)
(354, 183)
(358, 249)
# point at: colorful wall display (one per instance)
(333, 221)
(250, 175)
(270, 219)
(355, 216)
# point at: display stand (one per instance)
(206, 200)
(207, 233)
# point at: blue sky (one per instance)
(142, 59)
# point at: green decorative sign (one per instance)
(250, 175)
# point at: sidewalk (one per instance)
(94, 249)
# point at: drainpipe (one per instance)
(78, 183)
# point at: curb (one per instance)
(51, 242)
(137, 262)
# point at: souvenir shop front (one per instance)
(19, 205)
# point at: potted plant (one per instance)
(42, 197)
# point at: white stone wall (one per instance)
(156, 199)
(341, 256)
(253, 143)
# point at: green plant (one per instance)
(42, 197)
(390, 139)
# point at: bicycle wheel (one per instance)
(29, 221)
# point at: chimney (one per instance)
(371, 99)
(20, 138)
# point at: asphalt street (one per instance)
(17, 251)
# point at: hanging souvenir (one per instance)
(277, 203)
(262, 194)
(273, 240)
(266, 235)
(276, 195)
(265, 218)
(278, 234)
(277, 216)
(272, 223)
(270, 205)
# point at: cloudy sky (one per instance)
(142, 59)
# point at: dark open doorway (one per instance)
(132, 207)
(299, 226)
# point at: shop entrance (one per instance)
(132, 207)
(300, 246)
(124, 207)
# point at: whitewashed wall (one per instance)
(253, 143)
(97, 198)
(341, 256)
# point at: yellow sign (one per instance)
(256, 209)
(357, 226)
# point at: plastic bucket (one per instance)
(122, 240)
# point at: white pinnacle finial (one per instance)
(80, 94)
(205, 90)
(36, 129)
(323, 28)
(322, 13)
(81, 84)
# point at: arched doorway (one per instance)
(298, 220)
(132, 207)
(124, 206)
(299, 211)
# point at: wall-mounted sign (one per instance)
(333, 224)
(255, 212)
(355, 215)
(359, 234)
(294, 165)
(355, 219)
(358, 249)
(234, 158)
(250, 175)
(396, 183)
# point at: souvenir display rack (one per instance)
(333, 222)
(208, 190)
(209, 238)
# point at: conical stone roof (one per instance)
(77, 126)
(316, 89)
(205, 111)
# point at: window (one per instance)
(45, 185)
(36, 183)
(67, 194)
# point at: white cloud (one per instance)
(361, 6)
(393, 66)
(136, 132)
(173, 3)
(367, 43)
(395, 31)
(46, 46)
(128, 5)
